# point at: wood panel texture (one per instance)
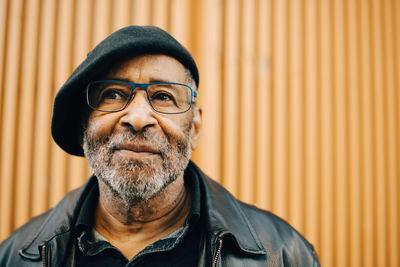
(300, 98)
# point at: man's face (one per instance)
(137, 152)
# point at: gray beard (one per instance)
(134, 180)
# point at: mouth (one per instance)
(136, 151)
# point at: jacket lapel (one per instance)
(226, 217)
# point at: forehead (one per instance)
(148, 68)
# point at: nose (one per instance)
(138, 114)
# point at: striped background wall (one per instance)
(301, 108)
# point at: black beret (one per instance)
(70, 102)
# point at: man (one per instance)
(130, 109)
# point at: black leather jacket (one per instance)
(237, 234)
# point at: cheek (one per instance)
(177, 128)
(100, 126)
(94, 126)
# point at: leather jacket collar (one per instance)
(225, 217)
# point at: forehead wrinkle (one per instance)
(149, 68)
(124, 71)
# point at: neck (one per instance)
(132, 226)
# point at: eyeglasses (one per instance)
(113, 96)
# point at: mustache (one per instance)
(138, 139)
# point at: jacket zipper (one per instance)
(44, 255)
(218, 253)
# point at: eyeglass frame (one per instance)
(143, 86)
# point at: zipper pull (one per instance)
(217, 253)
(44, 258)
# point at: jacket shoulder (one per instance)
(255, 230)
(27, 234)
(279, 237)
(9, 247)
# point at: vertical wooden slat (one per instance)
(83, 28)
(160, 14)
(319, 194)
(120, 13)
(9, 112)
(4, 22)
(340, 130)
(3, 48)
(25, 120)
(354, 125)
(280, 108)
(40, 175)
(83, 14)
(395, 185)
(263, 65)
(326, 250)
(247, 96)
(379, 89)
(360, 137)
(271, 105)
(392, 138)
(230, 106)
(311, 104)
(179, 19)
(385, 118)
(101, 20)
(141, 14)
(368, 258)
(296, 104)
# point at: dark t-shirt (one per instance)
(180, 248)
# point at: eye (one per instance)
(162, 96)
(113, 93)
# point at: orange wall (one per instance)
(301, 105)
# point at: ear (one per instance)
(196, 129)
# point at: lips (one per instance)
(137, 148)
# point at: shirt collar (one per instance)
(192, 183)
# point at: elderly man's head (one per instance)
(126, 43)
(130, 109)
(146, 144)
